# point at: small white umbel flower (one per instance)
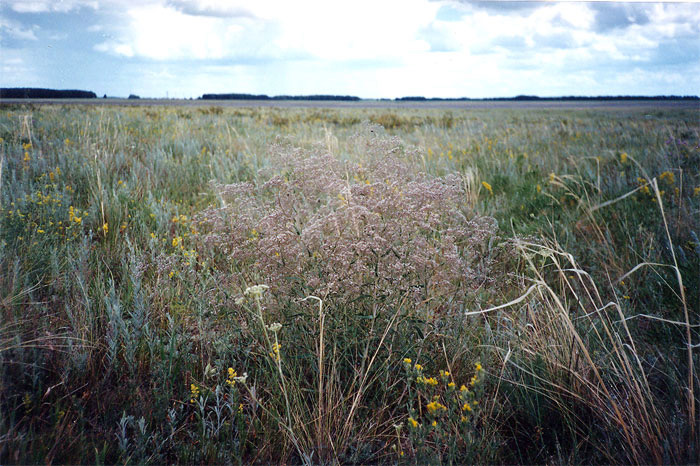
(256, 291)
(274, 328)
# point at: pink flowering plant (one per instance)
(342, 230)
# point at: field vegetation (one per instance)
(241, 285)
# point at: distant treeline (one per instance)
(537, 98)
(38, 93)
(276, 97)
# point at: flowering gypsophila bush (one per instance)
(342, 230)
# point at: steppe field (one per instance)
(363, 284)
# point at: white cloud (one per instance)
(16, 30)
(274, 29)
(43, 6)
(15, 71)
(219, 8)
(164, 33)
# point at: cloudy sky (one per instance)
(368, 48)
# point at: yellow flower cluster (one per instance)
(232, 374)
(668, 177)
(73, 215)
(194, 393)
(427, 380)
(487, 186)
(434, 406)
(644, 186)
(27, 158)
(475, 377)
(275, 353)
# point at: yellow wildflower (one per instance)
(696, 191)
(435, 406)
(668, 177)
(105, 228)
(487, 186)
(466, 407)
(407, 360)
(431, 381)
(418, 367)
(412, 422)
(194, 393)
(232, 374)
(539, 189)
(623, 157)
(478, 366)
(275, 354)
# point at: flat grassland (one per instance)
(186, 284)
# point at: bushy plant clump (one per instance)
(344, 229)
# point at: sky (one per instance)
(365, 48)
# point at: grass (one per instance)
(477, 286)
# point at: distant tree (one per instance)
(134, 96)
(277, 97)
(39, 93)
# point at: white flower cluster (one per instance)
(241, 378)
(255, 291)
(276, 327)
